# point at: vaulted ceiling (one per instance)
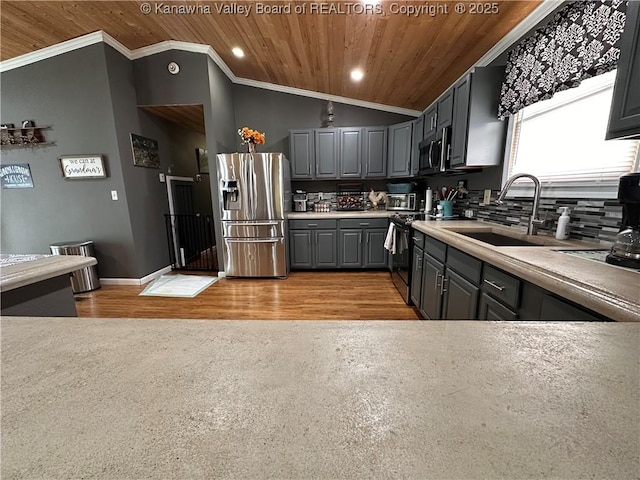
(408, 61)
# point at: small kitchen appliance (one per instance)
(626, 247)
(300, 201)
(405, 202)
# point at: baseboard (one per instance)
(136, 281)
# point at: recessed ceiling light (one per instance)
(356, 75)
(237, 51)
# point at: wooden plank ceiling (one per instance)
(408, 60)
(189, 116)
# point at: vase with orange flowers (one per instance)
(251, 138)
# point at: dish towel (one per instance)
(390, 240)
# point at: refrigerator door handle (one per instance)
(256, 224)
(252, 240)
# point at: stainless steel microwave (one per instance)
(403, 201)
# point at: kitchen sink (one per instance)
(499, 240)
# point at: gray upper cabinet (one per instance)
(399, 156)
(478, 137)
(334, 153)
(418, 125)
(624, 119)
(375, 152)
(430, 121)
(445, 110)
(350, 152)
(301, 152)
(327, 151)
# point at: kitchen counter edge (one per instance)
(27, 273)
(555, 273)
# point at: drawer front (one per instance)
(435, 248)
(501, 286)
(363, 223)
(418, 238)
(313, 224)
(466, 265)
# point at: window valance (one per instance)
(579, 42)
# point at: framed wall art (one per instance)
(82, 166)
(145, 152)
(17, 175)
(203, 160)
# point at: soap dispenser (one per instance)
(562, 232)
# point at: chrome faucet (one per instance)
(534, 221)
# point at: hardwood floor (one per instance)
(302, 296)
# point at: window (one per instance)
(561, 141)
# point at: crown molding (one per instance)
(325, 96)
(52, 51)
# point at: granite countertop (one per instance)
(341, 214)
(24, 273)
(611, 291)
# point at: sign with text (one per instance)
(16, 176)
(82, 166)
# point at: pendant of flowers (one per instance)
(251, 137)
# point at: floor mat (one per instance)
(178, 286)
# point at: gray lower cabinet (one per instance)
(491, 309)
(350, 246)
(400, 146)
(624, 118)
(300, 248)
(554, 308)
(415, 290)
(361, 243)
(313, 244)
(432, 278)
(460, 297)
(325, 243)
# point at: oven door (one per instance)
(400, 264)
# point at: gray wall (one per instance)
(275, 113)
(199, 81)
(70, 92)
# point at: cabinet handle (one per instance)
(442, 289)
(419, 263)
(312, 224)
(364, 224)
(494, 285)
(437, 285)
(414, 239)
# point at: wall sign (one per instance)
(16, 176)
(82, 166)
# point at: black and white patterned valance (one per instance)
(580, 42)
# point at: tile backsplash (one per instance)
(596, 221)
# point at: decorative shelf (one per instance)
(27, 145)
(19, 137)
(15, 129)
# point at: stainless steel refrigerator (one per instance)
(255, 196)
